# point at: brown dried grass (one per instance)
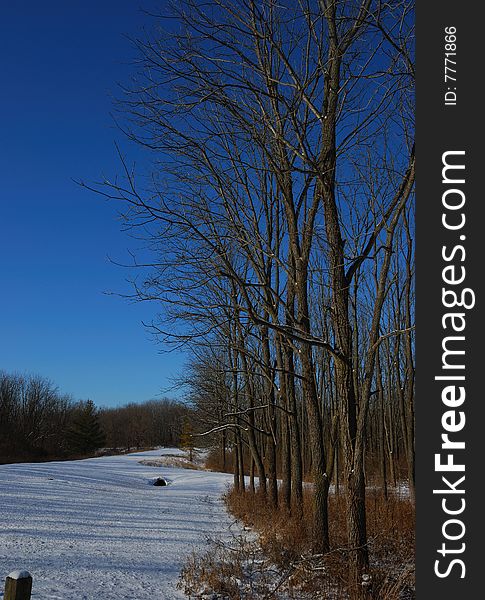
(285, 542)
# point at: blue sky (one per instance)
(61, 62)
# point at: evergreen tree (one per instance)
(85, 434)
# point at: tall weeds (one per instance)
(272, 557)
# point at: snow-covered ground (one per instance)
(97, 529)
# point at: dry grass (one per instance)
(275, 560)
(214, 461)
(180, 462)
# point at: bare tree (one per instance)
(279, 156)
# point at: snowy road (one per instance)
(97, 529)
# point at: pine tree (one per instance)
(85, 434)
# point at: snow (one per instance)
(98, 529)
(19, 575)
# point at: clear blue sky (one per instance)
(60, 62)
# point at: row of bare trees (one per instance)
(278, 224)
(37, 422)
(143, 425)
(34, 417)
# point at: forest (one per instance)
(38, 422)
(272, 222)
(277, 221)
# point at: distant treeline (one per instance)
(152, 423)
(37, 422)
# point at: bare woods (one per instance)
(38, 422)
(278, 228)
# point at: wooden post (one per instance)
(18, 586)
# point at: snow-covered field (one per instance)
(97, 529)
